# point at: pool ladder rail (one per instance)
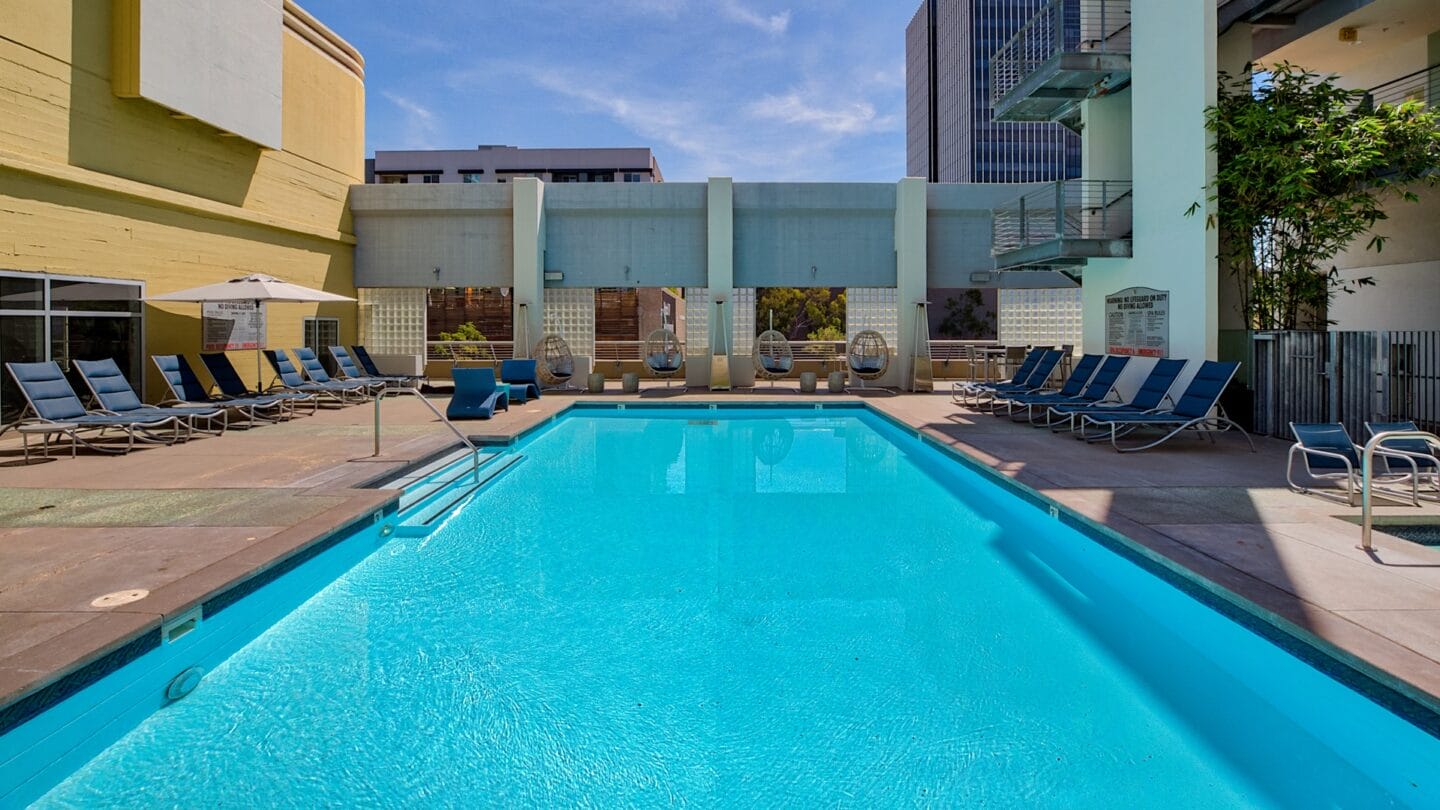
(1367, 470)
(423, 506)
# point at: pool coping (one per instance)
(1387, 690)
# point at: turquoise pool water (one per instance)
(757, 608)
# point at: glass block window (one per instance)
(570, 313)
(874, 308)
(742, 321)
(392, 320)
(1040, 317)
(697, 321)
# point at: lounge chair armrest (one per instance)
(1326, 453)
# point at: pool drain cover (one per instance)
(120, 598)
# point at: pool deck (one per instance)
(188, 521)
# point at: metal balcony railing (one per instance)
(1422, 86)
(1061, 26)
(474, 352)
(1066, 209)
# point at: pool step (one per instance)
(417, 494)
(425, 518)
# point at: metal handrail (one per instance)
(1422, 86)
(1064, 209)
(474, 450)
(1060, 26)
(1367, 469)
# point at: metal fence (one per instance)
(1066, 209)
(1422, 86)
(1061, 26)
(1346, 377)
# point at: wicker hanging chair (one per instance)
(554, 364)
(869, 356)
(773, 357)
(663, 354)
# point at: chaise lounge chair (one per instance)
(313, 369)
(961, 392)
(1196, 411)
(1422, 452)
(227, 379)
(367, 365)
(349, 370)
(1151, 395)
(291, 380)
(476, 395)
(50, 398)
(113, 393)
(1095, 389)
(186, 389)
(521, 375)
(1038, 381)
(1074, 384)
(1330, 455)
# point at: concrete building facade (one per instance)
(149, 147)
(500, 164)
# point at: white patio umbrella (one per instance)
(258, 288)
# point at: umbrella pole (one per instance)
(259, 339)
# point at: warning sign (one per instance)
(1137, 322)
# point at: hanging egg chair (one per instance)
(663, 354)
(773, 357)
(869, 356)
(553, 362)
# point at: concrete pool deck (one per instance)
(188, 521)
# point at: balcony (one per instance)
(1422, 86)
(1064, 225)
(1069, 51)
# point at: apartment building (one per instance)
(489, 163)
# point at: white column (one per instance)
(528, 284)
(720, 277)
(910, 272)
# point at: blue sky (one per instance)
(752, 89)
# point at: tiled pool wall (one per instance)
(49, 733)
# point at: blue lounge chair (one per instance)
(476, 395)
(1330, 455)
(186, 389)
(113, 393)
(1039, 380)
(1420, 451)
(313, 369)
(962, 392)
(50, 398)
(291, 380)
(227, 379)
(367, 365)
(1152, 394)
(349, 370)
(522, 378)
(1072, 391)
(1196, 411)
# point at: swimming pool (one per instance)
(753, 607)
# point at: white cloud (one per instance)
(849, 118)
(773, 24)
(421, 127)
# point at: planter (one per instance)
(807, 382)
(596, 383)
(836, 382)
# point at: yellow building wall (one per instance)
(97, 185)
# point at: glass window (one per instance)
(22, 340)
(472, 177)
(429, 178)
(21, 293)
(319, 335)
(392, 178)
(94, 296)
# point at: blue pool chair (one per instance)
(310, 364)
(1152, 394)
(186, 389)
(227, 379)
(50, 398)
(1039, 380)
(1420, 452)
(962, 392)
(112, 392)
(350, 370)
(476, 394)
(367, 365)
(1197, 411)
(1073, 388)
(1329, 455)
(291, 380)
(521, 374)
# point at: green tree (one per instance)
(827, 332)
(1304, 169)
(966, 317)
(469, 332)
(800, 311)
